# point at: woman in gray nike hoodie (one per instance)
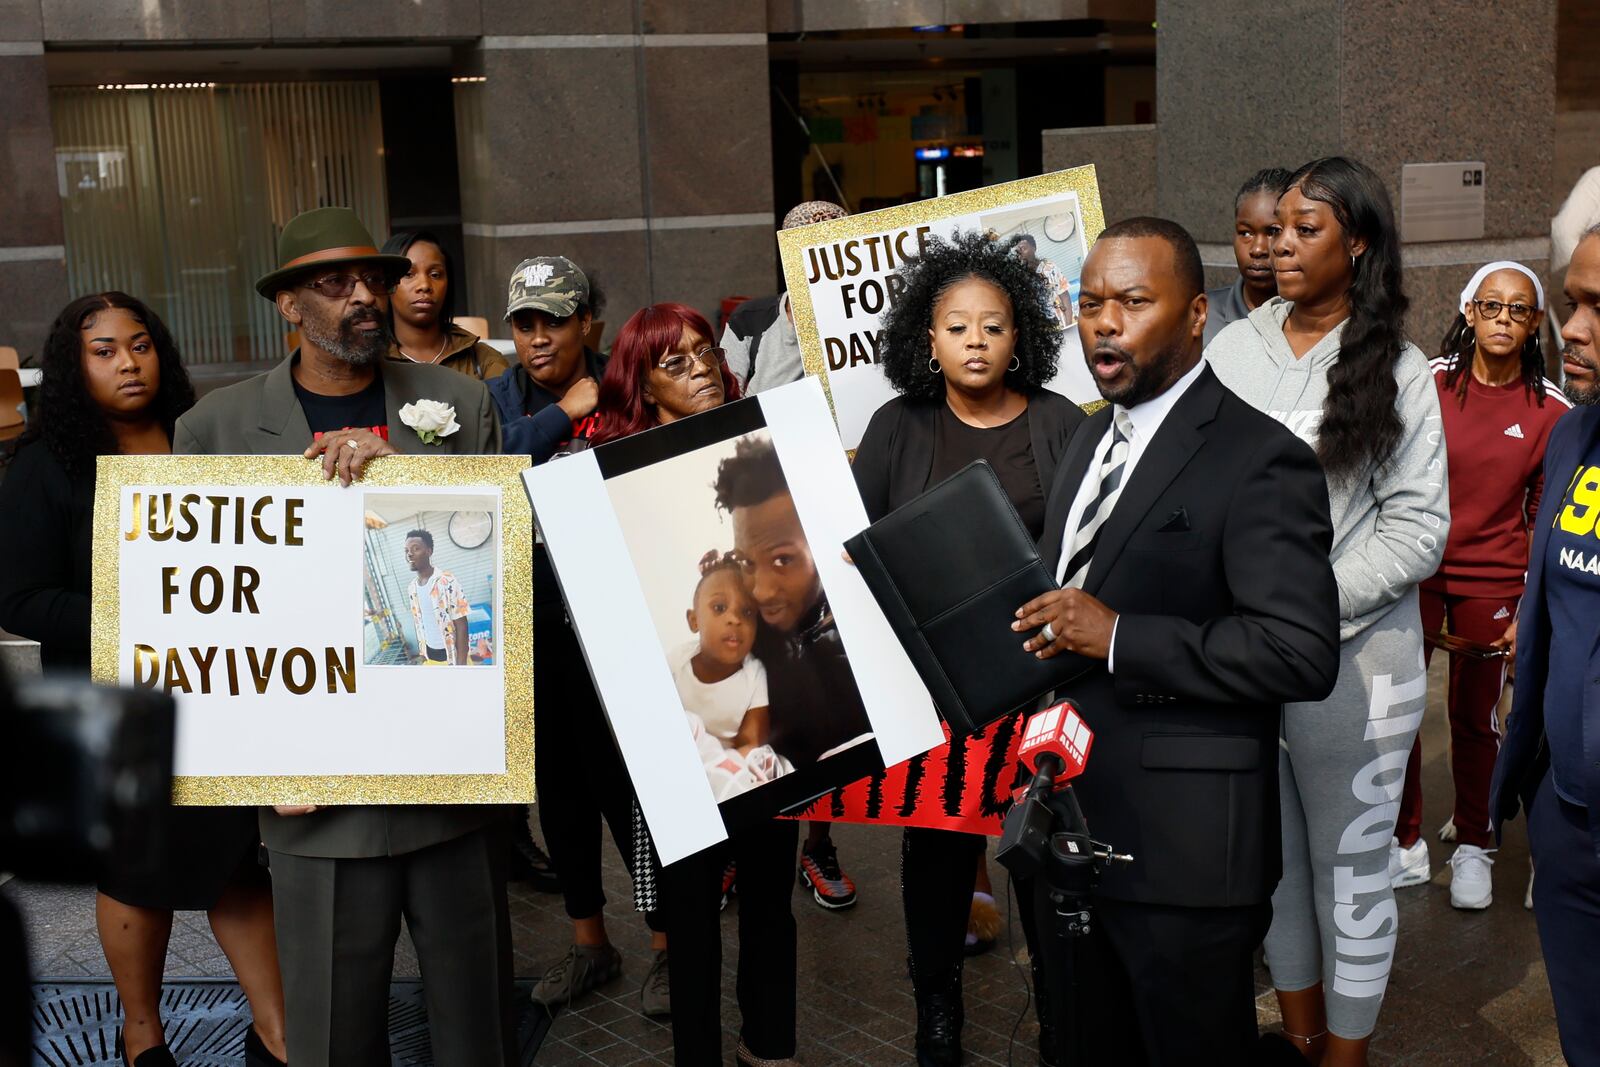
(1327, 358)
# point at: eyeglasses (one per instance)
(679, 365)
(1490, 309)
(339, 286)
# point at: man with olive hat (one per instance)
(342, 877)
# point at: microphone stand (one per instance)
(1046, 834)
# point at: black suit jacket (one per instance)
(1216, 561)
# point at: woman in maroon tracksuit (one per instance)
(1498, 409)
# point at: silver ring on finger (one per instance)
(351, 442)
(1048, 633)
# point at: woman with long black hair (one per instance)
(1498, 409)
(1328, 358)
(969, 346)
(114, 385)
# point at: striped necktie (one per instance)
(1076, 571)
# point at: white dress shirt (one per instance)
(1146, 418)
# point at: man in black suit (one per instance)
(1190, 534)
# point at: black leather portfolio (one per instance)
(950, 569)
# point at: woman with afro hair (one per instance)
(969, 346)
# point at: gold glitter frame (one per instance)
(792, 244)
(515, 531)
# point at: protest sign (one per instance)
(841, 277)
(743, 665)
(325, 645)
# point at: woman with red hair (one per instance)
(664, 367)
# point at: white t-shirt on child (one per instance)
(721, 705)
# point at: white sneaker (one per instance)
(1447, 832)
(1408, 866)
(1470, 884)
(1527, 901)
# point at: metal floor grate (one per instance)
(77, 1023)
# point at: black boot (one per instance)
(940, 1016)
(1049, 1049)
(939, 1019)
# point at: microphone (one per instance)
(1055, 744)
(1055, 747)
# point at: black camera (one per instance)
(85, 784)
(85, 777)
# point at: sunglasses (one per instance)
(339, 286)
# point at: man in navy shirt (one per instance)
(1550, 760)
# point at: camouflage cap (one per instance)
(551, 284)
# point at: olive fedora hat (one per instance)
(320, 238)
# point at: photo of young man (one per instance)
(438, 606)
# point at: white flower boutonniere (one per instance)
(432, 419)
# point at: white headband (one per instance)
(1500, 264)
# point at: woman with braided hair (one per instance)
(1498, 410)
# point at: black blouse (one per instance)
(900, 456)
(1008, 450)
(46, 533)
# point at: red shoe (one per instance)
(820, 873)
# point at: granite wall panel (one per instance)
(1417, 90)
(1255, 89)
(561, 136)
(31, 294)
(708, 130)
(116, 21)
(30, 201)
(1124, 159)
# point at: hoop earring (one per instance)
(1016, 364)
(933, 364)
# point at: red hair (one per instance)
(649, 334)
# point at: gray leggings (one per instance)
(1342, 764)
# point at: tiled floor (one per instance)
(1468, 988)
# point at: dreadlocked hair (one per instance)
(751, 476)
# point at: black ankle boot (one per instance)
(1049, 1049)
(939, 1019)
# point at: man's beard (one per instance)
(347, 343)
(1586, 397)
(1150, 380)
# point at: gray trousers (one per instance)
(337, 922)
(1342, 766)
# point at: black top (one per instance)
(364, 410)
(899, 453)
(532, 423)
(815, 705)
(46, 533)
(1007, 448)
